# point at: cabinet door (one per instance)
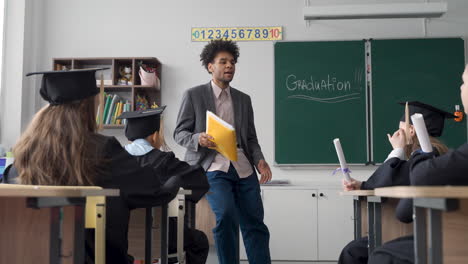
(291, 217)
(335, 223)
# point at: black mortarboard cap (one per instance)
(143, 123)
(433, 117)
(60, 87)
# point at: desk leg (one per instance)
(357, 219)
(79, 251)
(55, 235)
(420, 239)
(190, 213)
(370, 226)
(180, 231)
(377, 224)
(148, 235)
(435, 236)
(164, 234)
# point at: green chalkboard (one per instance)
(320, 95)
(427, 70)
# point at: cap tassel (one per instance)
(409, 140)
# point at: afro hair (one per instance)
(214, 47)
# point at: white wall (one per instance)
(117, 28)
(22, 46)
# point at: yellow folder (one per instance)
(224, 136)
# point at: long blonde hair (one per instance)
(56, 147)
(436, 143)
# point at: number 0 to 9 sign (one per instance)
(237, 33)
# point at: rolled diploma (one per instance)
(341, 158)
(421, 132)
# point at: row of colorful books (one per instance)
(114, 106)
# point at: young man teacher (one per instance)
(234, 194)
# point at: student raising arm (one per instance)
(396, 169)
(427, 169)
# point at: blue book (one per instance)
(2, 167)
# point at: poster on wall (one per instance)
(237, 33)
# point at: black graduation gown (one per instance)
(192, 178)
(393, 172)
(448, 169)
(355, 251)
(167, 166)
(139, 187)
(397, 251)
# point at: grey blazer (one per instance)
(191, 121)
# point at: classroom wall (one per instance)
(19, 98)
(117, 28)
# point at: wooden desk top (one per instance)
(423, 192)
(20, 190)
(358, 193)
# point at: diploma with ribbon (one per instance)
(421, 132)
(344, 167)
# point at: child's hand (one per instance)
(398, 139)
(351, 186)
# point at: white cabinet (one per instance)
(335, 223)
(306, 224)
(291, 217)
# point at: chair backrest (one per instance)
(95, 212)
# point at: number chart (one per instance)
(237, 33)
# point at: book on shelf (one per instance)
(107, 100)
(126, 109)
(113, 107)
(106, 82)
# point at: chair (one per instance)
(95, 212)
(175, 208)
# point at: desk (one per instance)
(360, 211)
(441, 221)
(371, 213)
(52, 234)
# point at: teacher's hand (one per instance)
(264, 170)
(205, 140)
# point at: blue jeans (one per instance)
(237, 201)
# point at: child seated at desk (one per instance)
(61, 146)
(396, 169)
(144, 130)
(428, 169)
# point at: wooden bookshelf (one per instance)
(125, 92)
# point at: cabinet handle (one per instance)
(313, 195)
(321, 195)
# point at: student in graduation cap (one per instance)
(396, 168)
(61, 146)
(428, 169)
(144, 129)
